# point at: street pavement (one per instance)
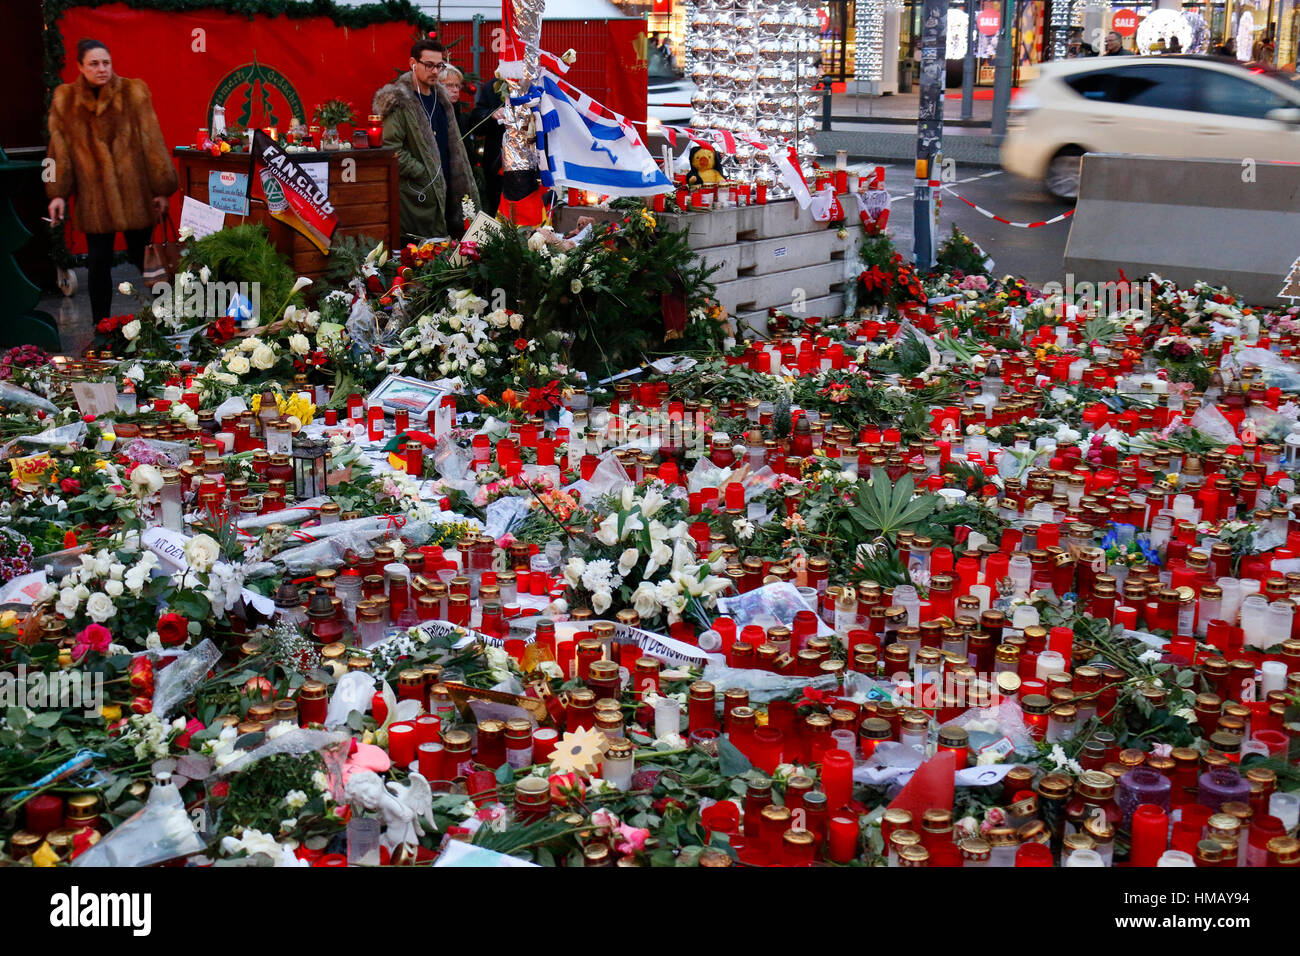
(1036, 254)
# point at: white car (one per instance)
(1175, 106)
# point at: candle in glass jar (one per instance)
(401, 743)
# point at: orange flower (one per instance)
(483, 399)
(509, 396)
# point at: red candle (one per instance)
(1150, 835)
(842, 837)
(428, 729)
(333, 859)
(544, 741)
(378, 709)
(44, 813)
(376, 419)
(1033, 854)
(837, 777)
(354, 408)
(401, 743)
(430, 755)
(415, 459)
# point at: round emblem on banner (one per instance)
(257, 96)
(988, 21)
(275, 200)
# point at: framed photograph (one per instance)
(412, 394)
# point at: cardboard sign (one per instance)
(291, 194)
(95, 398)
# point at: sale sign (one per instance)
(988, 21)
(1124, 22)
(291, 194)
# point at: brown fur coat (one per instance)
(109, 153)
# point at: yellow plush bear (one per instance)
(704, 168)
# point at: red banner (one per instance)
(291, 195)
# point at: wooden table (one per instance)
(367, 204)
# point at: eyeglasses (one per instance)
(436, 67)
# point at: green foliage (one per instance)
(883, 508)
(245, 254)
(959, 253)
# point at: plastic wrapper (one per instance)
(768, 606)
(986, 725)
(230, 408)
(165, 454)
(296, 741)
(354, 691)
(59, 435)
(1276, 370)
(762, 686)
(608, 478)
(12, 396)
(305, 511)
(1208, 420)
(175, 683)
(161, 831)
(504, 514)
(329, 552)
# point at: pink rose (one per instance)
(96, 637)
(631, 839)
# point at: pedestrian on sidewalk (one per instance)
(110, 158)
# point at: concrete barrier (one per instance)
(1228, 222)
(771, 256)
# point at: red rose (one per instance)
(173, 629)
(521, 344)
(220, 790)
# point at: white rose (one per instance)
(113, 588)
(644, 600)
(478, 369)
(238, 365)
(298, 344)
(125, 288)
(263, 357)
(516, 322)
(202, 552)
(100, 607)
(131, 330)
(204, 273)
(600, 602)
(575, 286)
(145, 480)
(627, 561)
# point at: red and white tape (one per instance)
(1007, 222)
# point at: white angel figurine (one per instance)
(402, 807)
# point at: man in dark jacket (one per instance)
(420, 124)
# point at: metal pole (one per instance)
(968, 64)
(1002, 73)
(475, 47)
(929, 132)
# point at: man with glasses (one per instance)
(420, 123)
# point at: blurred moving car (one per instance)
(668, 95)
(1175, 106)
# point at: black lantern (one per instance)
(310, 466)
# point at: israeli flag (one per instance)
(586, 146)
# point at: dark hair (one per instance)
(86, 44)
(433, 46)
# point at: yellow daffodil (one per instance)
(111, 712)
(76, 469)
(8, 620)
(101, 465)
(45, 856)
(65, 658)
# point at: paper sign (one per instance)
(202, 218)
(320, 172)
(95, 398)
(228, 191)
(482, 227)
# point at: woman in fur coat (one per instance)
(420, 123)
(109, 153)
